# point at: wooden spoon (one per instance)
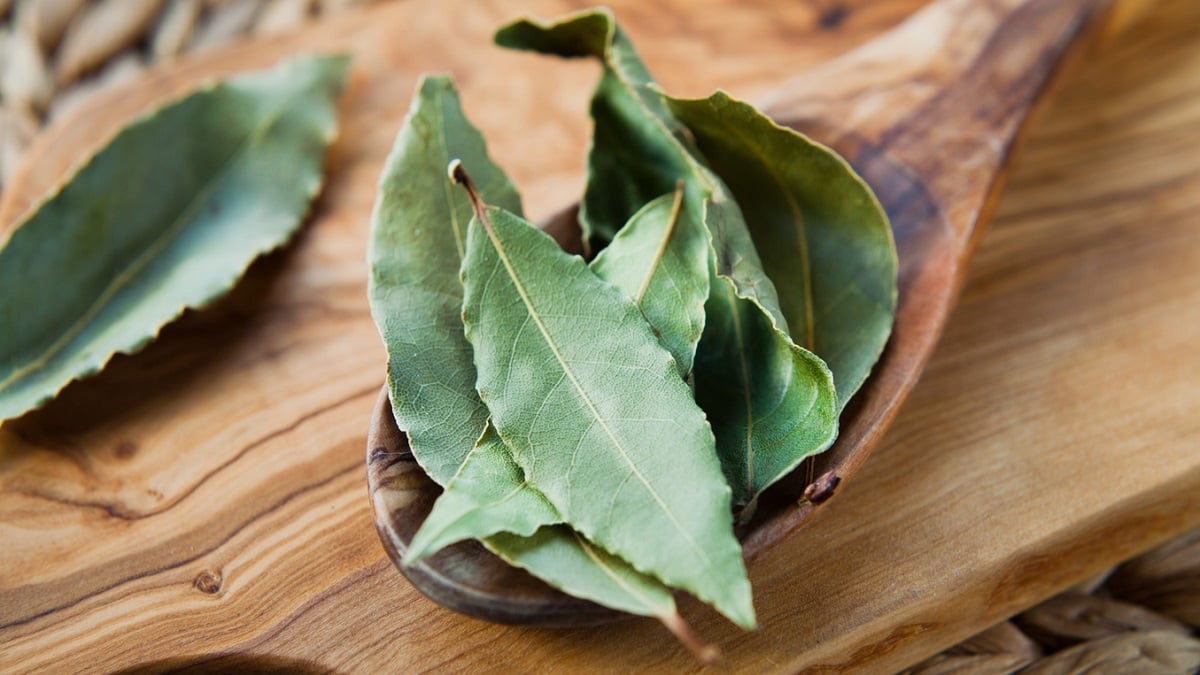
(930, 114)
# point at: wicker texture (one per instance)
(55, 53)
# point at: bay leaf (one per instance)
(490, 500)
(418, 237)
(758, 375)
(660, 261)
(579, 568)
(565, 360)
(640, 150)
(167, 216)
(566, 560)
(822, 235)
(772, 404)
(629, 119)
(488, 495)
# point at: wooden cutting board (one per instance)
(206, 498)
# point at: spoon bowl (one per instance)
(929, 114)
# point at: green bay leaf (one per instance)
(640, 150)
(165, 217)
(660, 261)
(823, 237)
(565, 360)
(490, 500)
(418, 237)
(772, 404)
(566, 560)
(488, 495)
(630, 119)
(417, 242)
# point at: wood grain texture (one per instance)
(208, 497)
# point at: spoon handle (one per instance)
(944, 95)
(929, 114)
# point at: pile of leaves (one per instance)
(601, 421)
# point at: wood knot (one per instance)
(832, 17)
(208, 582)
(126, 450)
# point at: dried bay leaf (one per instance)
(488, 495)
(489, 499)
(821, 233)
(167, 216)
(639, 150)
(629, 119)
(660, 261)
(418, 237)
(773, 404)
(564, 559)
(565, 360)
(744, 360)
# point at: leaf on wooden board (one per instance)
(565, 360)
(487, 496)
(167, 216)
(822, 235)
(634, 118)
(417, 241)
(660, 261)
(418, 237)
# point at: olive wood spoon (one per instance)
(929, 114)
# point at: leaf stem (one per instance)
(707, 654)
(459, 175)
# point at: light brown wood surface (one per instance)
(208, 497)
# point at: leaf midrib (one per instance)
(157, 245)
(662, 248)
